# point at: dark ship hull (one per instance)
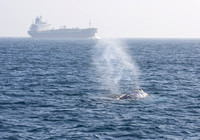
(64, 33)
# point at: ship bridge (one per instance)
(39, 25)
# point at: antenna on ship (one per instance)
(89, 23)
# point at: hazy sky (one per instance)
(113, 18)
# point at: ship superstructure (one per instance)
(40, 29)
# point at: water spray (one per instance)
(118, 72)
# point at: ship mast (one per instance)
(89, 23)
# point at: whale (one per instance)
(136, 94)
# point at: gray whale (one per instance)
(137, 94)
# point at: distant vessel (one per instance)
(40, 29)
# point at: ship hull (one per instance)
(64, 33)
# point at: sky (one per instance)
(113, 18)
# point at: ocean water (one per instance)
(67, 89)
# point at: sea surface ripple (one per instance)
(49, 89)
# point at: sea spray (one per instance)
(117, 71)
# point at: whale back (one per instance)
(137, 94)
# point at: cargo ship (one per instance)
(40, 29)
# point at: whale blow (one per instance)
(137, 94)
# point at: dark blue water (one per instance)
(51, 89)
